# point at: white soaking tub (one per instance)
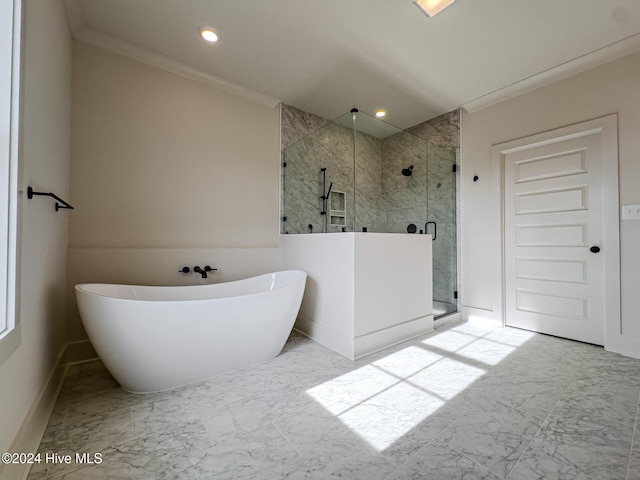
(157, 338)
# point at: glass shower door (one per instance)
(441, 210)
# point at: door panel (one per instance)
(554, 270)
(551, 200)
(552, 215)
(561, 235)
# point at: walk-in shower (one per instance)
(358, 173)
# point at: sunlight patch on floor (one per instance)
(383, 401)
(407, 361)
(383, 419)
(347, 391)
(447, 378)
(486, 351)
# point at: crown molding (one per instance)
(592, 59)
(81, 33)
(148, 57)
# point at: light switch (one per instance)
(631, 212)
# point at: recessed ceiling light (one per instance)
(209, 34)
(380, 113)
(432, 7)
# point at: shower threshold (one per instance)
(440, 309)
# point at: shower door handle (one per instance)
(435, 229)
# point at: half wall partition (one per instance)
(360, 174)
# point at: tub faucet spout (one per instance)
(201, 271)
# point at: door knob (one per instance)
(594, 249)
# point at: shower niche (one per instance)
(337, 209)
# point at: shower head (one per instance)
(407, 171)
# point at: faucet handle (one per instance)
(209, 269)
(184, 270)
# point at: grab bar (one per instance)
(31, 193)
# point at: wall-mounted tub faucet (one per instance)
(203, 271)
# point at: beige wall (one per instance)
(46, 111)
(162, 161)
(611, 88)
(167, 172)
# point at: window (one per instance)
(10, 23)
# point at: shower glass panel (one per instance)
(358, 173)
(401, 201)
(441, 187)
(320, 160)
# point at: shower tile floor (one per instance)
(466, 402)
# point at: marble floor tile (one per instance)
(82, 402)
(633, 472)
(346, 391)
(538, 466)
(438, 461)
(447, 378)
(406, 361)
(261, 453)
(571, 437)
(343, 467)
(383, 420)
(464, 402)
(252, 412)
(159, 456)
(450, 340)
(549, 354)
(327, 447)
(290, 370)
(410, 442)
(493, 435)
(38, 473)
(91, 433)
(486, 351)
(603, 402)
(387, 428)
(519, 386)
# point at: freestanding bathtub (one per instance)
(157, 338)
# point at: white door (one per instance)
(553, 237)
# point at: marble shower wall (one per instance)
(331, 147)
(404, 199)
(443, 131)
(310, 143)
(384, 200)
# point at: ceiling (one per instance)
(327, 56)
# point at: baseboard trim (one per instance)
(80, 351)
(30, 434)
(35, 423)
(486, 317)
(328, 337)
(374, 342)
